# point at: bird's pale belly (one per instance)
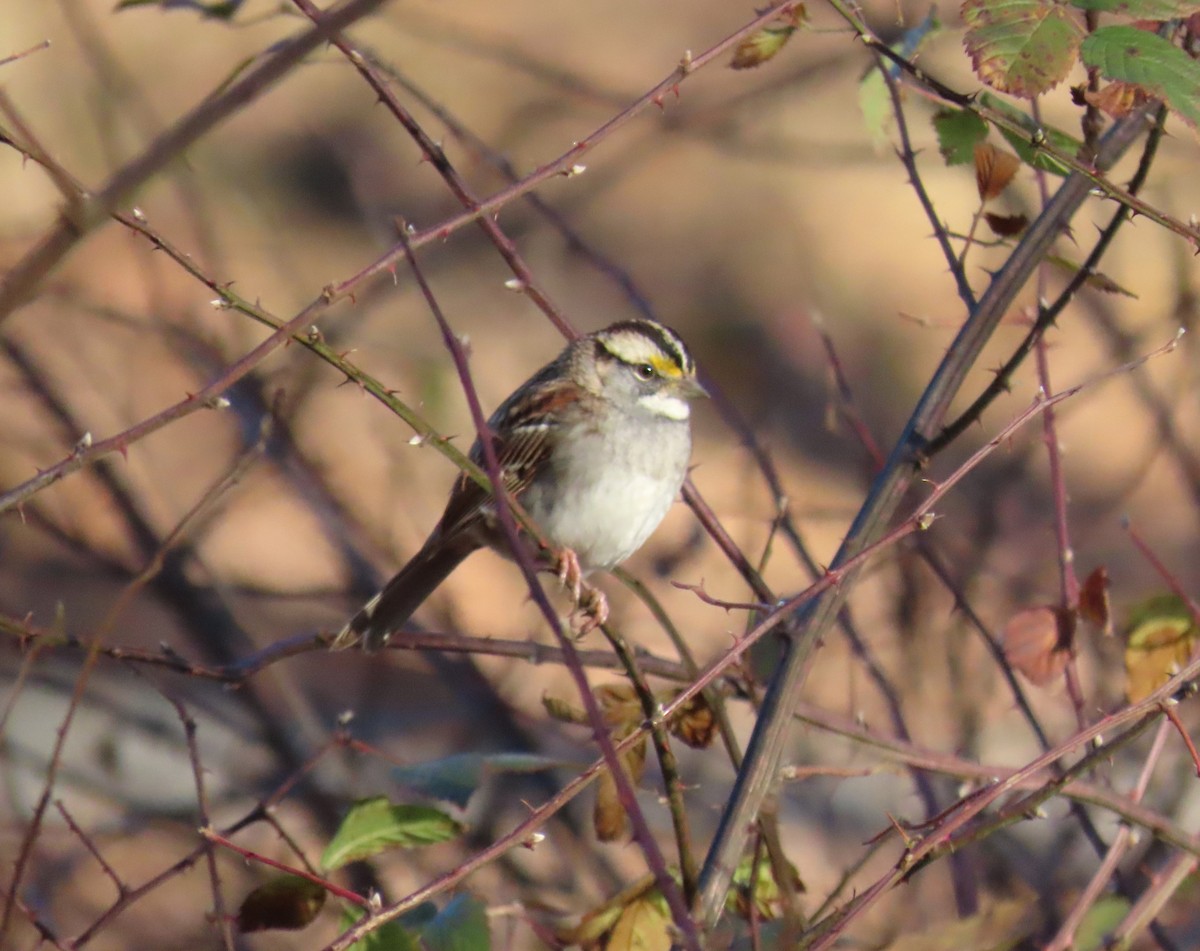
(608, 518)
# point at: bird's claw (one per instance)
(590, 612)
(570, 575)
(591, 607)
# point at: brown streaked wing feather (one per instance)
(521, 448)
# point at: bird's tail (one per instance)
(400, 597)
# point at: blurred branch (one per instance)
(566, 165)
(1048, 314)
(1094, 173)
(767, 742)
(36, 48)
(88, 211)
(1065, 938)
(521, 554)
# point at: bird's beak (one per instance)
(690, 388)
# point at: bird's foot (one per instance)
(591, 607)
(591, 610)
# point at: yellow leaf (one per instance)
(1156, 650)
(766, 43)
(643, 926)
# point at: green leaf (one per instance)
(1160, 638)
(374, 825)
(456, 778)
(460, 926)
(1096, 280)
(286, 902)
(958, 132)
(875, 103)
(874, 100)
(391, 936)
(1142, 9)
(754, 881)
(1023, 145)
(1099, 922)
(1158, 607)
(1021, 47)
(1162, 69)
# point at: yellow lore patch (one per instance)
(665, 367)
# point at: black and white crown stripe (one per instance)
(664, 338)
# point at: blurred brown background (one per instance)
(748, 212)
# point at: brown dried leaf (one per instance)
(286, 902)
(563, 710)
(1038, 642)
(1006, 226)
(1094, 604)
(621, 708)
(695, 723)
(608, 816)
(994, 169)
(1117, 99)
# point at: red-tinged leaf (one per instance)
(766, 43)
(1006, 226)
(1094, 604)
(1117, 99)
(1037, 642)
(994, 169)
(285, 903)
(1021, 47)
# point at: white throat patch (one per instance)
(663, 404)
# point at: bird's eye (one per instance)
(643, 371)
